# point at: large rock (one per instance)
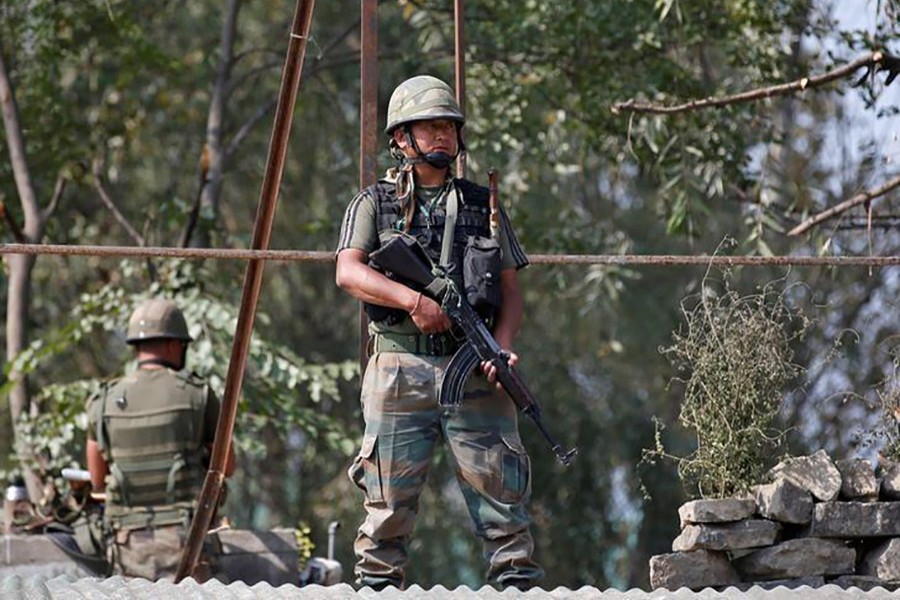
(699, 569)
(785, 502)
(890, 481)
(858, 480)
(749, 533)
(816, 474)
(720, 510)
(856, 519)
(792, 559)
(882, 561)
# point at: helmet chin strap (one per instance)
(438, 160)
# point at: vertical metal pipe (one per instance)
(262, 232)
(368, 129)
(459, 9)
(332, 534)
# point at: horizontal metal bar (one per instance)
(167, 252)
(624, 260)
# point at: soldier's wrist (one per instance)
(416, 304)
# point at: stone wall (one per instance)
(818, 522)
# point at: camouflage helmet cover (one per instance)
(157, 319)
(421, 98)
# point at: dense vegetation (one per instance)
(145, 111)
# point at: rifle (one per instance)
(402, 256)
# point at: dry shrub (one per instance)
(734, 357)
(885, 435)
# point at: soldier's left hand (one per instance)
(490, 370)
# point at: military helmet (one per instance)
(157, 319)
(420, 98)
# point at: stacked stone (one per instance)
(818, 522)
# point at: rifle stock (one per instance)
(402, 256)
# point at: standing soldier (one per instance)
(412, 347)
(149, 437)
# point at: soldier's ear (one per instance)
(400, 138)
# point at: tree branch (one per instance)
(875, 61)
(19, 273)
(212, 159)
(248, 125)
(111, 205)
(234, 84)
(13, 226)
(15, 142)
(58, 190)
(188, 232)
(844, 206)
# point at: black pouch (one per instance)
(481, 272)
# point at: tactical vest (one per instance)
(151, 433)
(473, 218)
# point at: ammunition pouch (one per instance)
(481, 274)
(119, 519)
(89, 535)
(84, 540)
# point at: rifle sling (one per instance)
(449, 224)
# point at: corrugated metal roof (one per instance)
(68, 588)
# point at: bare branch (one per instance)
(58, 190)
(874, 61)
(327, 48)
(212, 160)
(191, 225)
(837, 209)
(111, 205)
(257, 50)
(248, 125)
(234, 84)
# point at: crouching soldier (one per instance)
(149, 439)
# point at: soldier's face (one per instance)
(436, 135)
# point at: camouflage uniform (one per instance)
(403, 420)
(153, 427)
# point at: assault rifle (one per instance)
(402, 256)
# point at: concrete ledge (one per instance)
(247, 556)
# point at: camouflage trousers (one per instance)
(403, 424)
(154, 553)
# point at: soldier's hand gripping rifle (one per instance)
(402, 256)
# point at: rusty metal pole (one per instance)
(459, 9)
(368, 129)
(262, 232)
